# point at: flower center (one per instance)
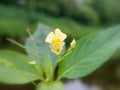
(56, 42)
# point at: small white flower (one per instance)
(56, 40)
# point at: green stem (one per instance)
(20, 45)
(56, 85)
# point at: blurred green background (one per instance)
(77, 18)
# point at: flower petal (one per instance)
(62, 44)
(60, 34)
(50, 37)
(57, 52)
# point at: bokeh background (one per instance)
(77, 18)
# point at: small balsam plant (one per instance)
(48, 60)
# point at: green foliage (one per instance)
(90, 53)
(14, 68)
(108, 10)
(14, 21)
(53, 9)
(88, 15)
(12, 27)
(112, 11)
(72, 28)
(99, 11)
(12, 12)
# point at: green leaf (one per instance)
(37, 45)
(14, 68)
(90, 53)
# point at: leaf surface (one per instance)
(14, 68)
(90, 53)
(37, 45)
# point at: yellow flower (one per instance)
(56, 40)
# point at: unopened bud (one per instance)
(73, 44)
(32, 62)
